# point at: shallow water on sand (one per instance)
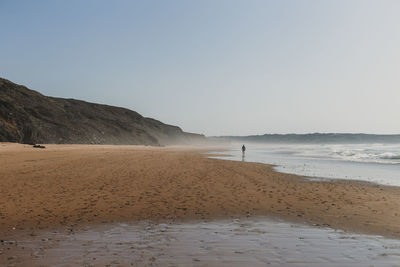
(255, 241)
(377, 163)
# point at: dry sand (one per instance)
(66, 185)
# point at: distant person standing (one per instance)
(243, 150)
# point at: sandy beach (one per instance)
(80, 185)
(70, 184)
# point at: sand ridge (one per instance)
(66, 185)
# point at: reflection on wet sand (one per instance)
(254, 241)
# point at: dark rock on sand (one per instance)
(27, 116)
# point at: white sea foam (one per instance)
(375, 153)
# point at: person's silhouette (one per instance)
(243, 152)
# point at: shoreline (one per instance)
(275, 167)
(194, 187)
(309, 178)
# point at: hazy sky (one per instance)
(215, 67)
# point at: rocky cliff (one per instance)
(27, 116)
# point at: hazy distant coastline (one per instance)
(342, 138)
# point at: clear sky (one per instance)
(215, 67)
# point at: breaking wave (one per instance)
(386, 154)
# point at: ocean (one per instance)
(372, 162)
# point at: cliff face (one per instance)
(27, 116)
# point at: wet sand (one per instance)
(70, 186)
(255, 241)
